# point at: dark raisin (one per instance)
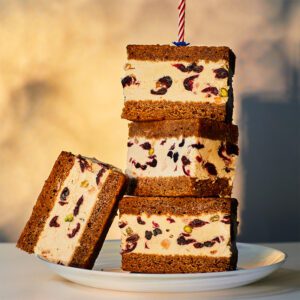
(133, 238)
(148, 235)
(216, 239)
(181, 144)
(165, 81)
(180, 67)
(197, 223)
(232, 149)
(157, 231)
(143, 167)
(183, 241)
(208, 244)
(211, 169)
(129, 247)
(175, 157)
(62, 203)
(129, 144)
(170, 154)
(172, 147)
(53, 222)
(78, 204)
(64, 194)
(198, 245)
(221, 73)
(122, 224)
(193, 67)
(83, 163)
(197, 146)
(161, 91)
(185, 161)
(189, 82)
(227, 170)
(221, 152)
(163, 142)
(137, 165)
(74, 231)
(169, 219)
(128, 81)
(211, 89)
(146, 146)
(140, 221)
(152, 163)
(99, 175)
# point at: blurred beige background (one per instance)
(60, 69)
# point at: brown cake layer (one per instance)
(149, 110)
(205, 128)
(151, 263)
(179, 186)
(97, 226)
(173, 53)
(45, 202)
(177, 206)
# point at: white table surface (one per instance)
(22, 276)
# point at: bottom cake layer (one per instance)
(151, 263)
(148, 110)
(179, 186)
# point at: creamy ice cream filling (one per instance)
(193, 156)
(205, 235)
(73, 207)
(176, 81)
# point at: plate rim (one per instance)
(176, 275)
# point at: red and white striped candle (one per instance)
(181, 20)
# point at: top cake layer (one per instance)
(188, 54)
(164, 82)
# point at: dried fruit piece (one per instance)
(64, 194)
(133, 238)
(129, 248)
(140, 221)
(129, 80)
(162, 85)
(152, 163)
(157, 231)
(211, 90)
(129, 144)
(146, 146)
(175, 157)
(84, 183)
(83, 163)
(74, 231)
(223, 92)
(185, 162)
(170, 154)
(187, 229)
(99, 175)
(122, 224)
(197, 146)
(181, 144)
(155, 225)
(53, 222)
(78, 204)
(163, 142)
(210, 168)
(221, 73)
(197, 223)
(170, 220)
(69, 218)
(199, 159)
(226, 219)
(165, 243)
(183, 241)
(232, 149)
(148, 235)
(188, 82)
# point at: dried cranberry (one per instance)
(99, 175)
(181, 144)
(175, 157)
(152, 163)
(189, 82)
(74, 231)
(221, 73)
(197, 223)
(163, 142)
(180, 67)
(183, 241)
(148, 235)
(211, 169)
(62, 203)
(232, 149)
(146, 246)
(169, 219)
(199, 159)
(83, 163)
(143, 167)
(146, 146)
(226, 219)
(155, 225)
(78, 204)
(53, 222)
(211, 90)
(197, 146)
(129, 144)
(140, 221)
(64, 194)
(157, 231)
(221, 152)
(133, 238)
(122, 224)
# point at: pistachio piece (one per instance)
(69, 218)
(215, 218)
(129, 231)
(151, 151)
(187, 229)
(223, 92)
(84, 183)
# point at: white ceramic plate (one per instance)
(255, 262)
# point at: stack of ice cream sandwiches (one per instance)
(179, 216)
